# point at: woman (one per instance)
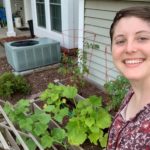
(130, 37)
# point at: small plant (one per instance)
(117, 90)
(75, 70)
(11, 84)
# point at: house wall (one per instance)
(98, 15)
(69, 12)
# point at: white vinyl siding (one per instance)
(98, 18)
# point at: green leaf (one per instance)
(89, 121)
(22, 106)
(44, 118)
(103, 140)
(40, 129)
(49, 108)
(51, 86)
(93, 137)
(94, 129)
(61, 114)
(103, 119)
(76, 133)
(54, 97)
(95, 101)
(46, 141)
(45, 95)
(69, 92)
(58, 134)
(31, 145)
(26, 124)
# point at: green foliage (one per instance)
(89, 121)
(117, 90)
(76, 70)
(86, 118)
(91, 45)
(11, 84)
(36, 122)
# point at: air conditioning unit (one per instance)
(33, 53)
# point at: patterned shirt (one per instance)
(133, 134)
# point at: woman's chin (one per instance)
(132, 76)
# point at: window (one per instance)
(55, 13)
(40, 7)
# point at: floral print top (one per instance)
(133, 134)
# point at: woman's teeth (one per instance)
(136, 61)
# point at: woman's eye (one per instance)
(142, 39)
(118, 42)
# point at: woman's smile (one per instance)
(133, 61)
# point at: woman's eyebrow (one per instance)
(143, 31)
(118, 36)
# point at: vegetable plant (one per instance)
(57, 99)
(89, 121)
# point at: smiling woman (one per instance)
(130, 36)
(131, 47)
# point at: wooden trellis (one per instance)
(7, 141)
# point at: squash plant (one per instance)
(89, 121)
(86, 118)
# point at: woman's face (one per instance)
(131, 48)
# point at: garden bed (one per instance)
(39, 82)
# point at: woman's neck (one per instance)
(141, 92)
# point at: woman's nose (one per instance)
(130, 47)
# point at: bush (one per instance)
(11, 84)
(117, 90)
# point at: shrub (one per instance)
(117, 90)
(11, 84)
